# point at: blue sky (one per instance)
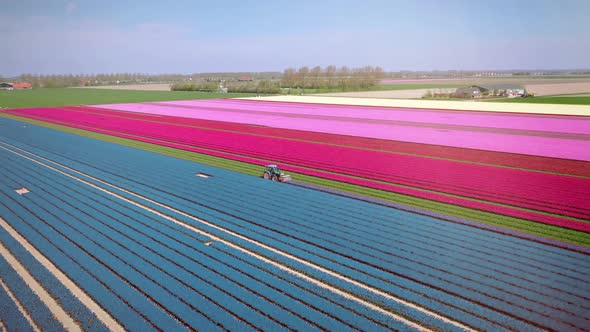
(76, 36)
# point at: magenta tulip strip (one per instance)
(367, 159)
(449, 128)
(553, 165)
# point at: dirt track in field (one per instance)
(403, 94)
(496, 80)
(558, 89)
(537, 86)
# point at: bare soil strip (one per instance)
(403, 94)
(582, 110)
(319, 283)
(55, 308)
(57, 311)
(558, 89)
(14, 299)
(490, 80)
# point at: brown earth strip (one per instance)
(558, 89)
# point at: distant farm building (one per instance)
(473, 91)
(18, 85)
(505, 90)
(498, 90)
(22, 85)
(245, 79)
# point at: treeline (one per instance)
(61, 81)
(262, 87)
(327, 78)
(332, 77)
(291, 81)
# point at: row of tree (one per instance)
(59, 81)
(293, 81)
(332, 77)
(56, 81)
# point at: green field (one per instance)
(546, 100)
(74, 96)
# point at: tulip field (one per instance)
(398, 218)
(535, 167)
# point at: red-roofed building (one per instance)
(22, 85)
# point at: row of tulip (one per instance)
(552, 165)
(501, 190)
(482, 279)
(513, 121)
(557, 144)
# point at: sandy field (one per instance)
(496, 80)
(416, 93)
(577, 95)
(439, 104)
(558, 88)
(142, 87)
(416, 80)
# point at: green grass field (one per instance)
(74, 96)
(546, 100)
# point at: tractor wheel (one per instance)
(275, 178)
(266, 176)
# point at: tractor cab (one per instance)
(273, 173)
(273, 169)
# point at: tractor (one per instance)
(273, 173)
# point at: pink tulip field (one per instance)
(516, 165)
